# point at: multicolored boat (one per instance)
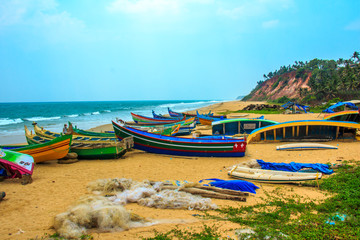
(306, 130)
(205, 147)
(52, 150)
(148, 120)
(184, 127)
(89, 149)
(207, 120)
(351, 116)
(239, 125)
(81, 132)
(40, 131)
(16, 164)
(159, 116)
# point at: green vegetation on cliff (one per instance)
(329, 79)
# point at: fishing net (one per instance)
(105, 210)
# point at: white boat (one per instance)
(305, 146)
(272, 176)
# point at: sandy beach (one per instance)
(28, 210)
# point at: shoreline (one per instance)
(28, 211)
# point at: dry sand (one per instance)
(28, 210)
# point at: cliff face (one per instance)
(284, 85)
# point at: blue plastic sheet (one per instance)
(295, 167)
(237, 185)
(348, 104)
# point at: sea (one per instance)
(85, 115)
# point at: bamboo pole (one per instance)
(206, 193)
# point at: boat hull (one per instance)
(181, 146)
(305, 131)
(55, 149)
(271, 176)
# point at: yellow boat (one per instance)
(307, 130)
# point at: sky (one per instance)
(109, 50)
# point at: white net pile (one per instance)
(95, 212)
(104, 211)
(149, 194)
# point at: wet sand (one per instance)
(28, 210)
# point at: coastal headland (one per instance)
(28, 211)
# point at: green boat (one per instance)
(76, 138)
(81, 132)
(87, 149)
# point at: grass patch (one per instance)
(206, 233)
(284, 216)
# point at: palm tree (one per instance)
(356, 56)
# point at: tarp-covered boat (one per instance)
(15, 164)
(305, 131)
(206, 147)
(55, 149)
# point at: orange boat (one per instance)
(52, 150)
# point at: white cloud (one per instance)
(35, 13)
(270, 24)
(354, 26)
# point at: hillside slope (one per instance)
(286, 84)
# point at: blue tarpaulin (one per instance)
(237, 185)
(348, 104)
(299, 106)
(294, 167)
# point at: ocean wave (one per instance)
(72, 115)
(7, 121)
(41, 118)
(95, 113)
(86, 114)
(106, 111)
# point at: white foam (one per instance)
(36, 119)
(7, 121)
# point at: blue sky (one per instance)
(162, 49)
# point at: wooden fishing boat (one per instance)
(305, 146)
(52, 150)
(40, 131)
(88, 149)
(81, 132)
(206, 147)
(239, 125)
(350, 116)
(142, 119)
(186, 126)
(207, 120)
(16, 165)
(272, 176)
(176, 114)
(305, 131)
(159, 116)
